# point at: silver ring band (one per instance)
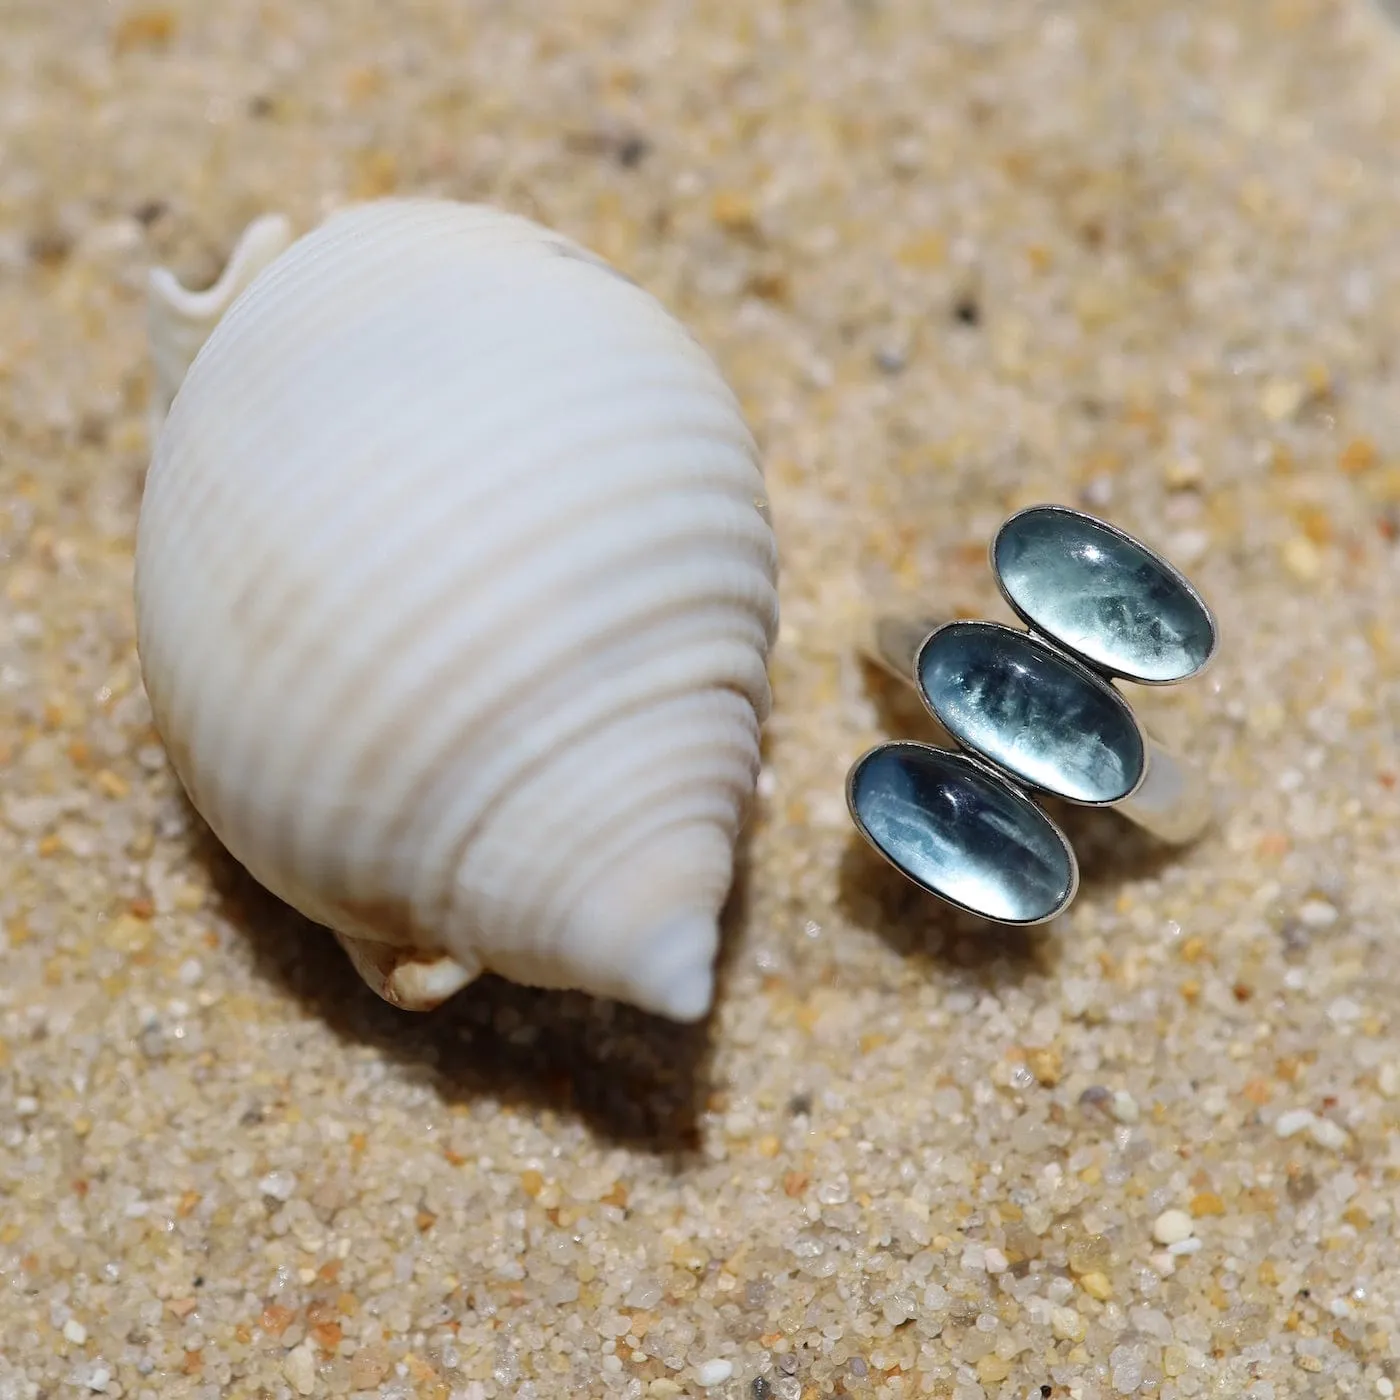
(1035, 712)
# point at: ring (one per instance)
(1035, 712)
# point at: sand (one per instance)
(954, 258)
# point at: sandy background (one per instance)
(954, 257)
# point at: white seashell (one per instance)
(455, 586)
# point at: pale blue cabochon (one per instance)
(1034, 712)
(962, 833)
(1102, 595)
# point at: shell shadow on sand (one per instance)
(634, 1079)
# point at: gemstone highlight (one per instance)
(962, 833)
(1102, 595)
(1031, 711)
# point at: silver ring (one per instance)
(1035, 712)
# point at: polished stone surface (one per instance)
(961, 833)
(1102, 596)
(1017, 702)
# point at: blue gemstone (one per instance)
(960, 832)
(1102, 595)
(1045, 719)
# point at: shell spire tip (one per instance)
(674, 975)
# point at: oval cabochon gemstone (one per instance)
(1102, 595)
(1017, 702)
(961, 833)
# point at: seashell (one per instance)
(455, 587)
